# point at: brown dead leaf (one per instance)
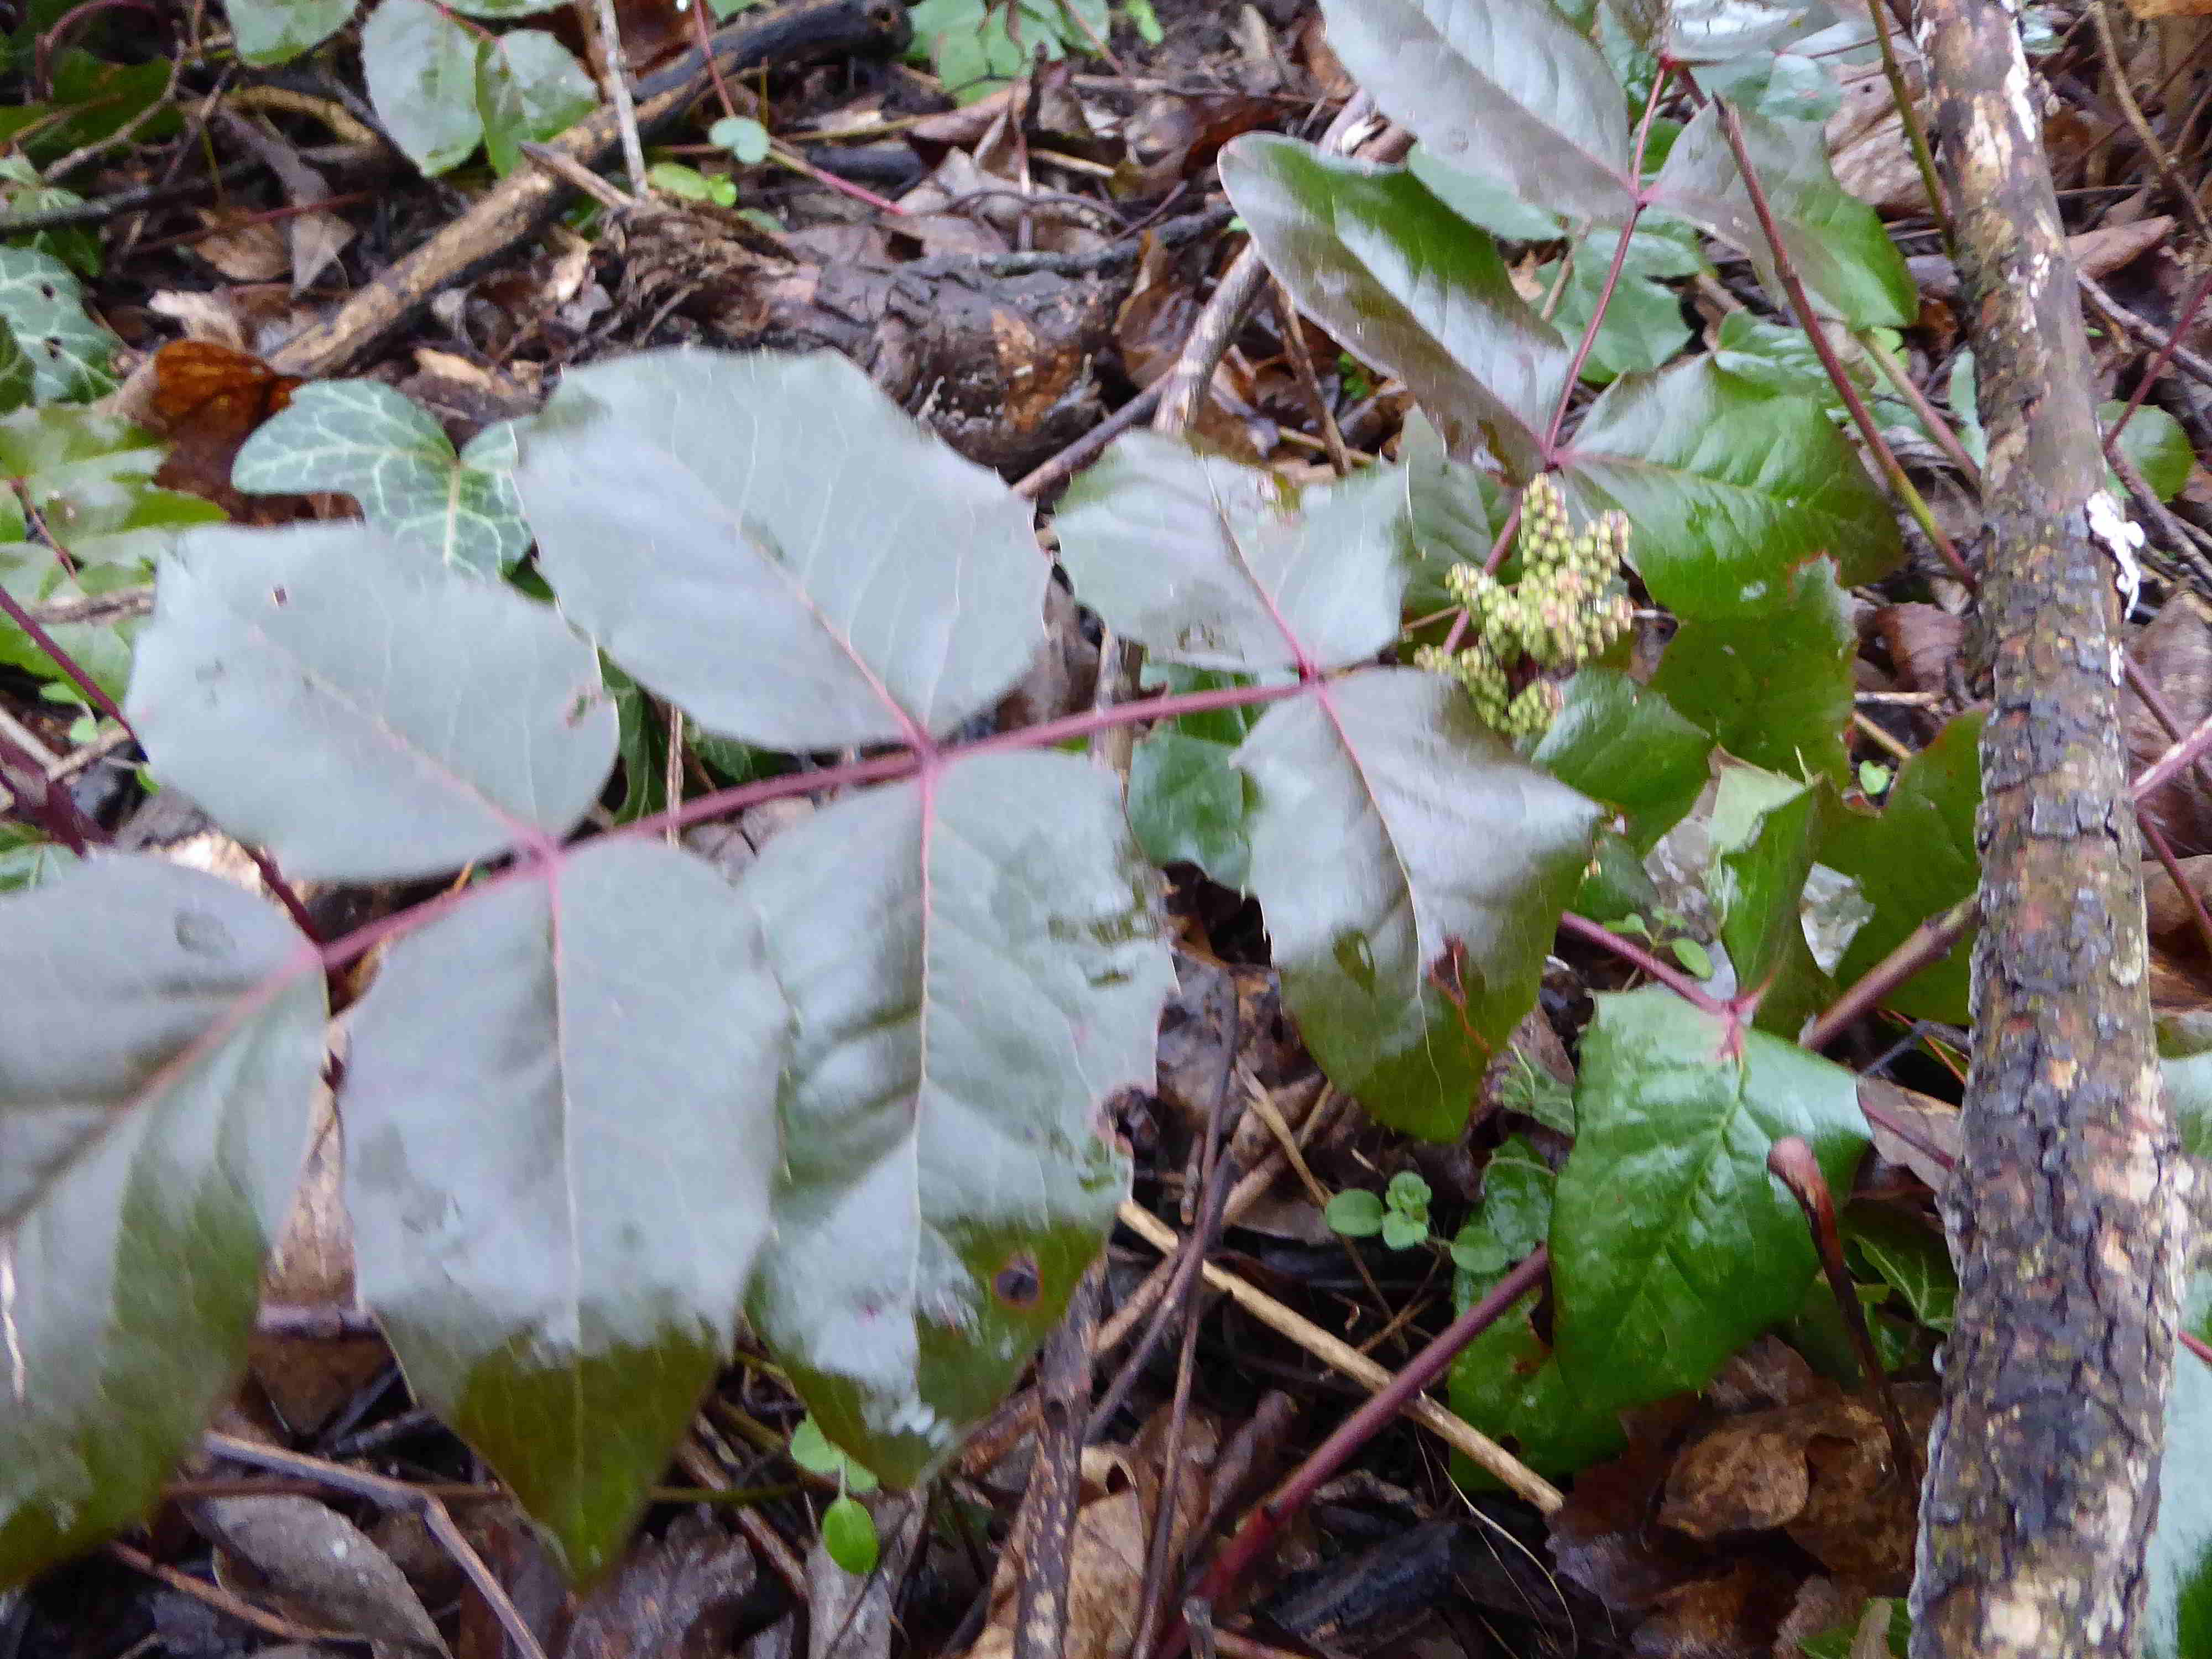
(319, 1568)
(1923, 641)
(1746, 1475)
(1736, 1615)
(1930, 1144)
(2101, 251)
(240, 246)
(207, 400)
(1604, 1537)
(682, 1596)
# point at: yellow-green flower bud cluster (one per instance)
(1568, 607)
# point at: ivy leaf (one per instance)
(268, 32)
(1671, 1245)
(18, 379)
(362, 439)
(1911, 1258)
(1506, 87)
(362, 712)
(781, 514)
(421, 66)
(88, 476)
(528, 87)
(1914, 861)
(559, 1135)
(42, 303)
(147, 1161)
(1406, 284)
(1623, 743)
(1214, 564)
(1413, 871)
(1773, 687)
(1837, 243)
(974, 965)
(1726, 488)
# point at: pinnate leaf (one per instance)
(1913, 860)
(1727, 488)
(147, 1160)
(781, 513)
(1671, 1245)
(421, 66)
(559, 1125)
(1506, 88)
(1408, 285)
(1217, 565)
(362, 439)
(42, 303)
(1836, 242)
(1773, 687)
(361, 711)
(276, 31)
(1413, 870)
(974, 965)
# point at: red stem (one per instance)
(1634, 954)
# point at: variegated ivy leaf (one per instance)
(362, 439)
(43, 305)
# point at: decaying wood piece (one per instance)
(2066, 1212)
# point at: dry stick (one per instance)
(215, 1596)
(2064, 1213)
(1916, 130)
(2166, 342)
(2168, 351)
(392, 1494)
(1044, 1530)
(2168, 173)
(1400, 1393)
(1332, 1351)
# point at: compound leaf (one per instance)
(362, 439)
(1506, 88)
(361, 711)
(1413, 870)
(974, 964)
(787, 557)
(1408, 285)
(1727, 487)
(1773, 687)
(1914, 861)
(1671, 1245)
(147, 1160)
(560, 1116)
(1214, 564)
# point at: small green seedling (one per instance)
(674, 179)
(849, 1531)
(1401, 1214)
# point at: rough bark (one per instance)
(2065, 1214)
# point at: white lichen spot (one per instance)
(2013, 1621)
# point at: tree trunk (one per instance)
(2065, 1213)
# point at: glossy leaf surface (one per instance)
(974, 964)
(1623, 743)
(1187, 801)
(1837, 243)
(1726, 488)
(1413, 870)
(1775, 687)
(304, 685)
(1764, 829)
(1505, 89)
(1208, 562)
(1408, 285)
(147, 1160)
(790, 559)
(1671, 1245)
(560, 1119)
(362, 439)
(1914, 861)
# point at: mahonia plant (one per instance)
(1568, 608)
